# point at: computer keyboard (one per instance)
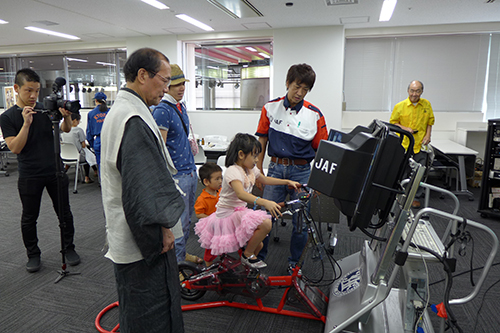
(423, 236)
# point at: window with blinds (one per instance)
(453, 68)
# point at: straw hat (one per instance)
(177, 76)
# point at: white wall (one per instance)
(226, 123)
(167, 44)
(444, 128)
(323, 49)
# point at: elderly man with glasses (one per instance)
(142, 203)
(415, 115)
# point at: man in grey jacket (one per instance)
(141, 202)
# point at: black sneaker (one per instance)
(291, 268)
(72, 258)
(34, 264)
(252, 261)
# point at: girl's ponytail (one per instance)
(103, 107)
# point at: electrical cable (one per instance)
(380, 239)
(462, 273)
(318, 243)
(482, 303)
(449, 311)
(420, 317)
(332, 260)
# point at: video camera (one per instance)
(54, 101)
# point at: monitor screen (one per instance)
(361, 171)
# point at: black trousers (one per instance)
(30, 192)
(149, 296)
(421, 158)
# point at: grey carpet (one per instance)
(33, 303)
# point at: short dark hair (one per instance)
(75, 116)
(302, 73)
(207, 169)
(26, 75)
(246, 143)
(147, 58)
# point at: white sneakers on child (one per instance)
(252, 261)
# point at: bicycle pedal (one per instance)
(253, 274)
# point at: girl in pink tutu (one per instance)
(233, 224)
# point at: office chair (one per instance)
(71, 156)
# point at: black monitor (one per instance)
(338, 136)
(362, 171)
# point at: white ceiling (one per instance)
(96, 21)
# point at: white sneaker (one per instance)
(252, 261)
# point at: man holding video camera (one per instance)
(29, 135)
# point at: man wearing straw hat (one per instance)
(173, 121)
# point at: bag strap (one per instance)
(180, 116)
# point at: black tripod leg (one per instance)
(59, 174)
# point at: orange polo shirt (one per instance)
(206, 203)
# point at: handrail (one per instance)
(491, 256)
(452, 224)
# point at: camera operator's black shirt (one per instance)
(37, 159)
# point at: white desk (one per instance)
(214, 150)
(448, 147)
(472, 135)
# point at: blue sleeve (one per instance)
(162, 116)
(90, 137)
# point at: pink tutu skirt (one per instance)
(229, 234)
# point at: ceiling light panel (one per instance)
(194, 22)
(387, 10)
(50, 32)
(156, 4)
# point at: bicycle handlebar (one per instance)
(304, 198)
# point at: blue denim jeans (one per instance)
(278, 193)
(188, 183)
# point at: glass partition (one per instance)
(7, 73)
(86, 74)
(232, 76)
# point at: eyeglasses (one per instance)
(166, 80)
(418, 91)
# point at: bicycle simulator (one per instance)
(363, 171)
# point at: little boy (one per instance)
(211, 177)
(77, 137)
